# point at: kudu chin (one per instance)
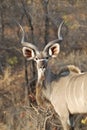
(66, 91)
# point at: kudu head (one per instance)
(31, 52)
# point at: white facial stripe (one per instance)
(42, 59)
(38, 60)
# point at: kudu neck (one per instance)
(45, 77)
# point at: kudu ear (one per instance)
(28, 53)
(54, 50)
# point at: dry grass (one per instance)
(7, 77)
(16, 112)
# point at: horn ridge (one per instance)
(59, 30)
(51, 43)
(57, 40)
(27, 44)
(23, 33)
(30, 45)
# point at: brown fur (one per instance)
(74, 69)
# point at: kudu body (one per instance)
(66, 91)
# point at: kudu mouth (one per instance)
(42, 64)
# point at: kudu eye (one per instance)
(36, 58)
(47, 57)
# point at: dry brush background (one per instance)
(40, 20)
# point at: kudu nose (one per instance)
(43, 64)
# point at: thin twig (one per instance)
(36, 110)
(46, 120)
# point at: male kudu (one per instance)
(66, 91)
